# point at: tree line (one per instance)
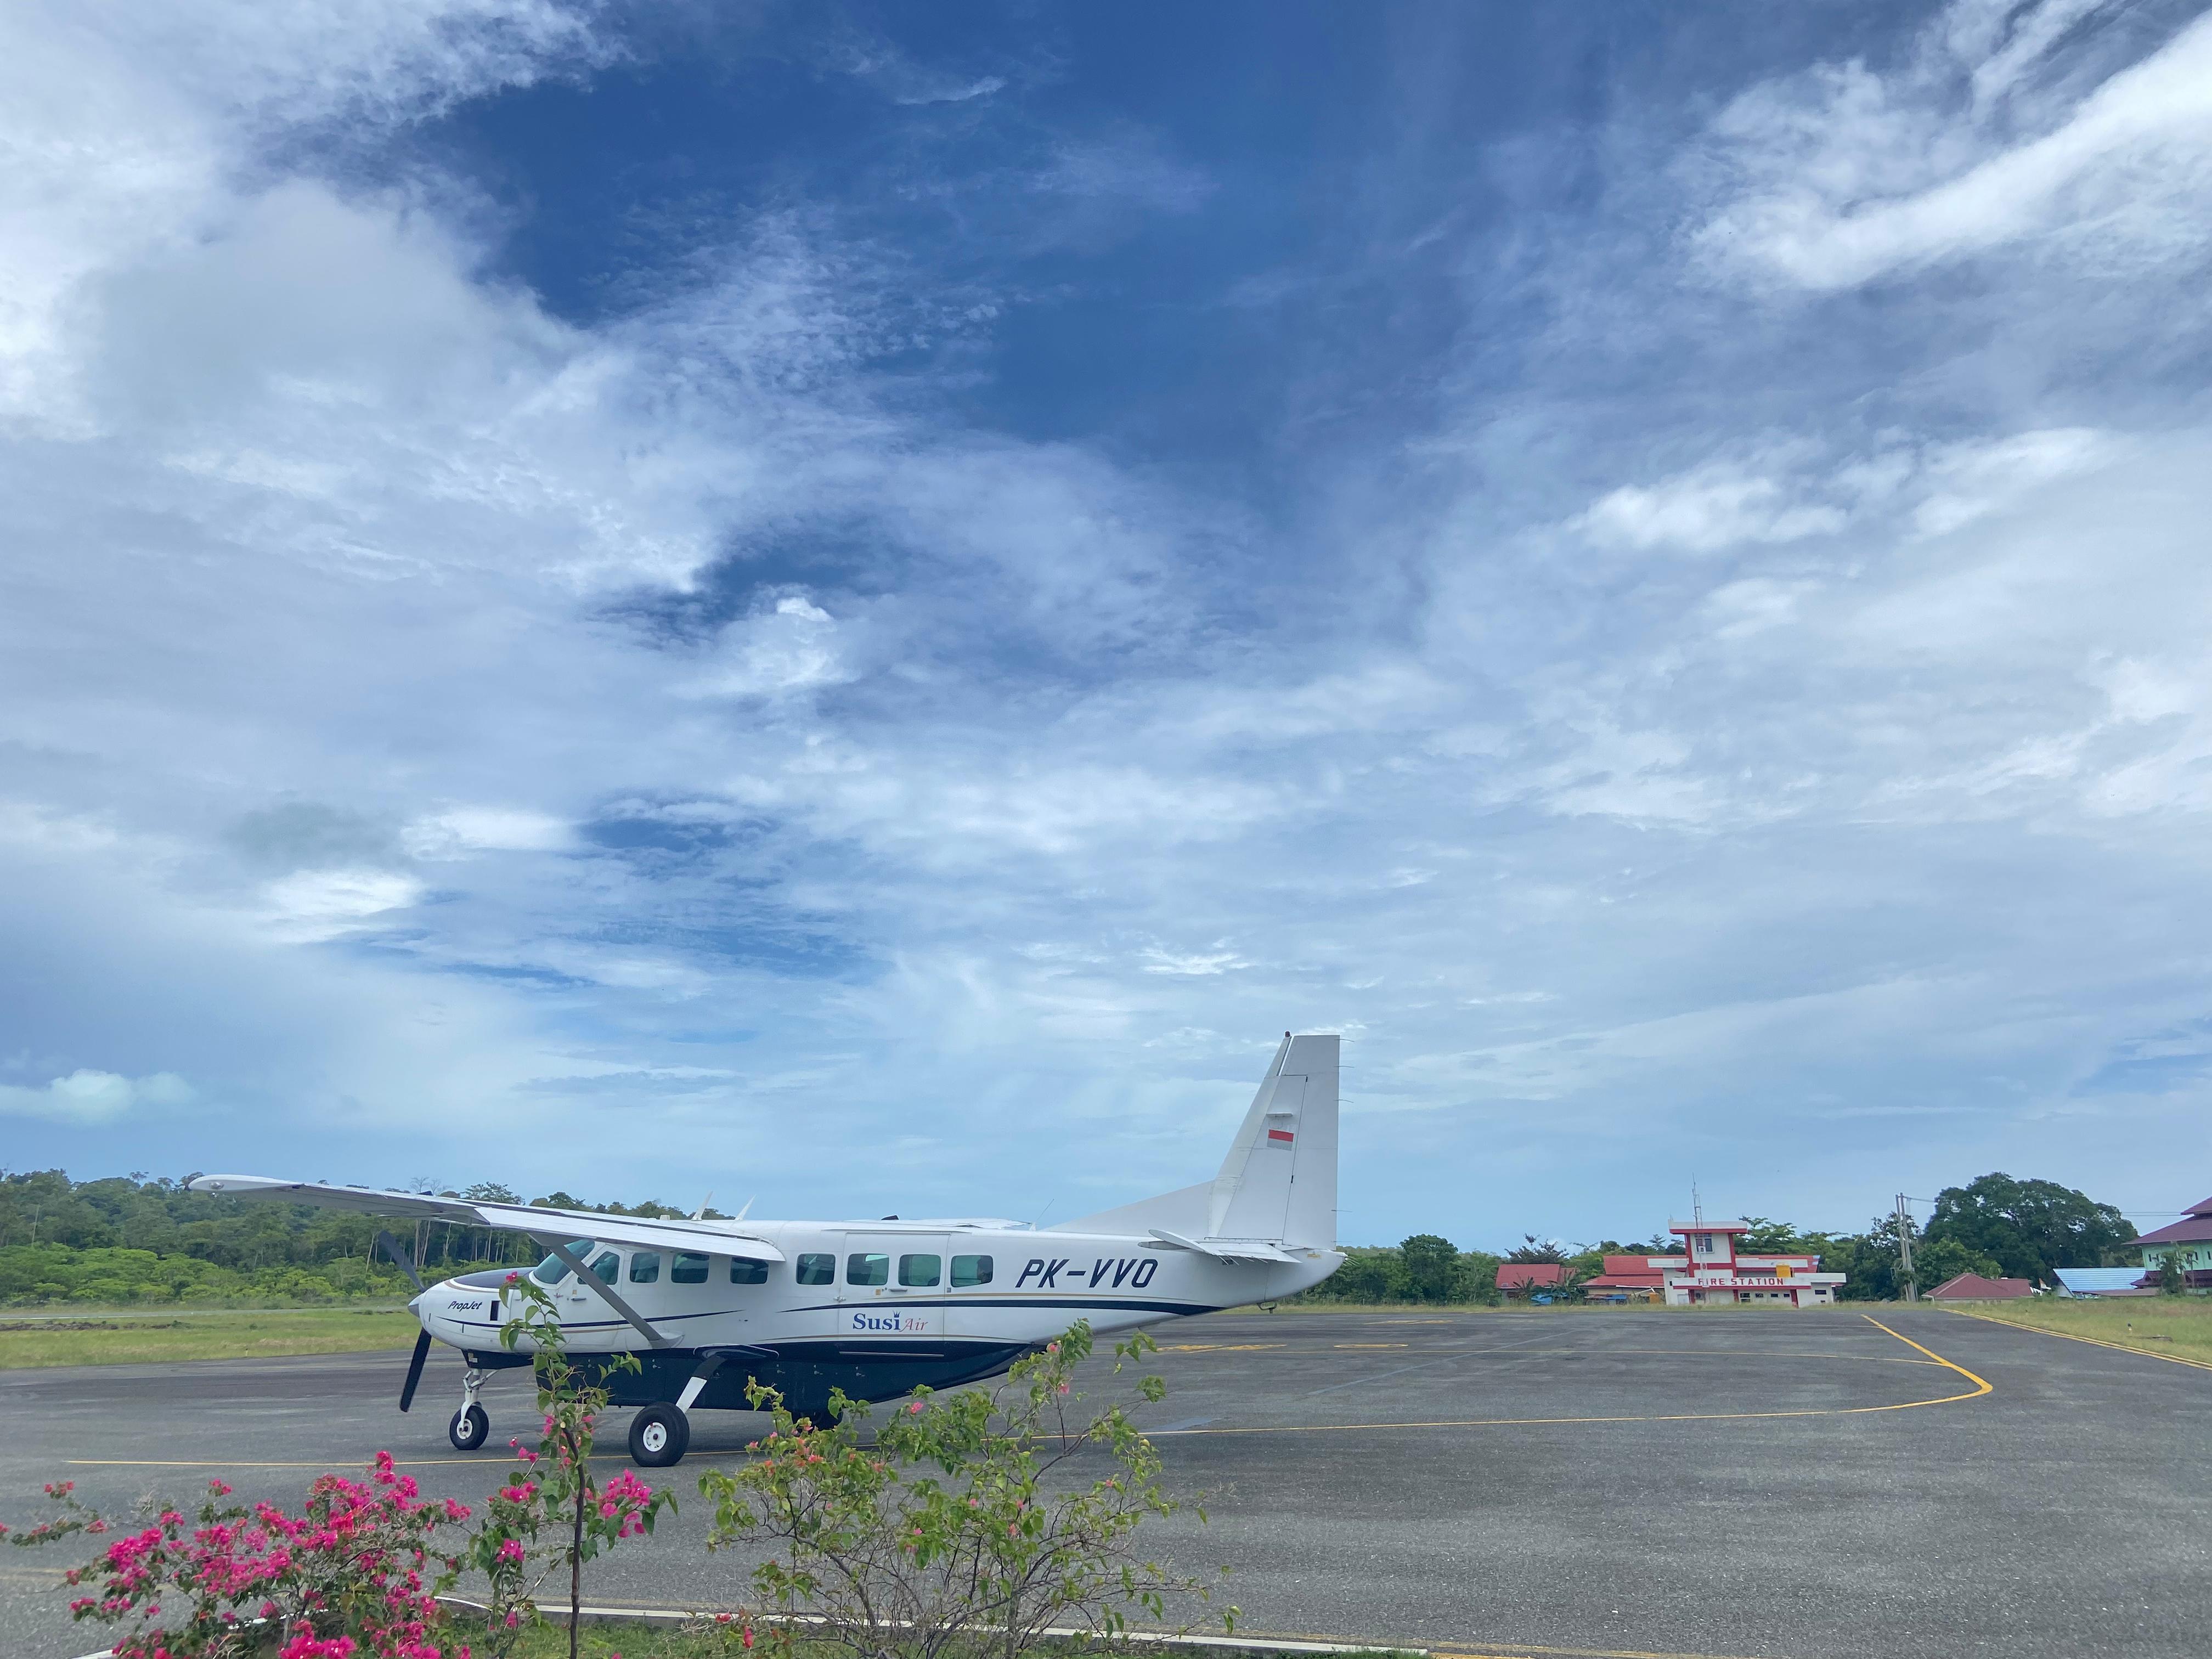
(132, 1238)
(139, 1238)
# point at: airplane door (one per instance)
(893, 1285)
(582, 1308)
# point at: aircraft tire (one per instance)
(658, 1435)
(469, 1428)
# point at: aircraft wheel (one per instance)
(469, 1428)
(658, 1435)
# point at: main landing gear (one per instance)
(658, 1435)
(472, 1425)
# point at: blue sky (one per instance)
(769, 600)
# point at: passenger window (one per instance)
(608, 1267)
(918, 1271)
(971, 1270)
(867, 1267)
(818, 1269)
(743, 1272)
(684, 1268)
(645, 1266)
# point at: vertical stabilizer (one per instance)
(1279, 1182)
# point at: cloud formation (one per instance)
(1697, 666)
(88, 1098)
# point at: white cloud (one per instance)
(1192, 964)
(1847, 175)
(791, 646)
(1705, 510)
(316, 904)
(462, 830)
(89, 1097)
(1968, 480)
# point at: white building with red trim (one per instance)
(1711, 1272)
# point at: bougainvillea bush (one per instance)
(551, 1511)
(353, 1573)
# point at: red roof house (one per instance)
(1521, 1278)
(1973, 1287)
(1632, 1277)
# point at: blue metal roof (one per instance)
(2094, 1282)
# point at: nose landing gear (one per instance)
(472, 1425)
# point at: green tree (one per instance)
(1532, 1250)
(1432, 1267)
(968, 1522)
(2172, 1280)
(2029, 1227)
(1936, 1260)
(1369, 1274)
(1477, 1278)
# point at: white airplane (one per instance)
(876, 1307)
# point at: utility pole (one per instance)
(1905, 1250)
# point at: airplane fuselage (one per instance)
(876, 1307)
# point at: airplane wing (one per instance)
(559, 1226)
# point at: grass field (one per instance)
(136, 1337)
(2178, 1325)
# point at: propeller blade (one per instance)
(392, 1247)
(414, 1370)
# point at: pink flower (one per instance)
(915, 1410)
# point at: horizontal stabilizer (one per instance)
(1226, 1250)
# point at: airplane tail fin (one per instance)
(1279, 1182)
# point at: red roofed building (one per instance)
(1633, 1278)
(1530, 1278)
(1713, 1273)
(2189, 1240)
(1973, 1287)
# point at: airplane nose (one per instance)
(415, 1305)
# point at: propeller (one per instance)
(392, 1247)
(414, 1370)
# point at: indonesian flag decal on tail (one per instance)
(1280, 1129)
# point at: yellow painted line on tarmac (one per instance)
(1982, 1386)
(1516, 1353)
(2094, 1341)
(1212, 1347)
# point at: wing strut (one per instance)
(575, 1264)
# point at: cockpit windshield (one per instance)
(553, 1270)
